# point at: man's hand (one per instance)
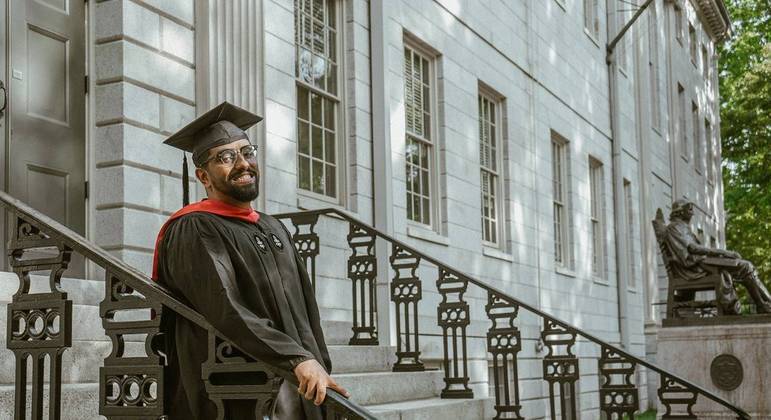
(314, 381)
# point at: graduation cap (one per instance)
(223, 124)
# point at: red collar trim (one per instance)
(206, 206)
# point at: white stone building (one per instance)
(494, 135)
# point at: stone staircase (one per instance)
(364, 370)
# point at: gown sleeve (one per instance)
(196, 265)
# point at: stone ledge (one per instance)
(727, 321)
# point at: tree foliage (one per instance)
(745, 115)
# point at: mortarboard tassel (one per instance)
(185, 182)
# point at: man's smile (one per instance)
(244, 178)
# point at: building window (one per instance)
(710, 151)
(679, 24)
(318, 99)
(630, 229)
(591, 18)
(621, 18)
(653, 67)
(693, 45)
(560, 177)
(489, 155)
(704, 63)
(681, 112)
(596, 217)
(697, 156)
(419, 154)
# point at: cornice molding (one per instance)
(715, 17)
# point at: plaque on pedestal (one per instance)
(731, 360)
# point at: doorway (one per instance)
(45, 118)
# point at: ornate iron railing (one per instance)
(130, 386)
(618, 393)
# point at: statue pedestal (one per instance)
(733, 361)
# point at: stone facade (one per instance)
(158, 63)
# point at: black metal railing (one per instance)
(130, 385)
(618, 393)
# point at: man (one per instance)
(692, 261)
(239, 269)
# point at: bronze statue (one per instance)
(692, 261)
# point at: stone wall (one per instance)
(144, 78)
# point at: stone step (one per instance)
(336, 332)
(79, 401)
(386, 387)
(81, 362)
(435, 408)
(386, 394)
(352, 359)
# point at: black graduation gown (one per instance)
(249, 282)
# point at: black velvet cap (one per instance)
(223, 124)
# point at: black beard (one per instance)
(245, 193)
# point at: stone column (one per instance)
(144, 77)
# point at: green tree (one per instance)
(745, 111)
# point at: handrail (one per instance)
(146, 287)
(333, 212)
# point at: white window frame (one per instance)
(432, 142)
(698, 155)
(679, 27)
(592, 20)
(682, 129)
(693, 44)
(496, 101)
(710, 150)
(653, 68)
(597, 218)
(339, 119)
(621, 18)
(630, 234)
(560, 149)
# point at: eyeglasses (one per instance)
(229, 156)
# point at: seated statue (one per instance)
(691, 261)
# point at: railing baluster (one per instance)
(406, 292)
(55, 390)
(362, 271)
(130, 386)
(307, 243)
(560, 369)
(20, 387)
(504, 342)
(453, 316)
(617, 398)
(673, 393)
(39, 324)
(229, 375)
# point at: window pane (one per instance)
(331, 181)
(317, 143)
(304, 176)
(329, 147)
(303, 136)
(316, 109)
(318, 176)
(425, 190)
(329, 115)
(332, 78)
(302, 103)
